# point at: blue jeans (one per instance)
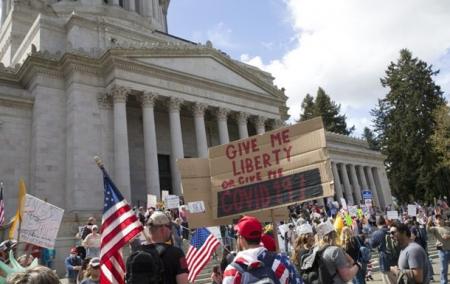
(444, 257)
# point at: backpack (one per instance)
(313, 270)
(145, 266)
(262, 274)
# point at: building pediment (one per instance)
(204, 68)
(203, 63)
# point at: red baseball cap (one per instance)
(268, 242)
(249, 227)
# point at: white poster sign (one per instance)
(366, 211)
(353, 210)
(344, 203)
(368, 202)
(164, 194)
(392, 215)
(172, 202)
(152, 200)
(196, 207)
(412, 210)
(40, 223)
(215, 231)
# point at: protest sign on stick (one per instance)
(275, 169)
(196, 182)
(172, 201)
(40, 222)
(152, 200)
(412, 210)
(392, 215)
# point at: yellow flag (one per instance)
(18, 217)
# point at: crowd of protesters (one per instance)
(342, 242)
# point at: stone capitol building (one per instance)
(104, 77)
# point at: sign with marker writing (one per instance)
(278, 168)
(40, 222)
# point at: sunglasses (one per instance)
(392, 232)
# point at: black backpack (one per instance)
(259, 275)
(145, 266)
(312, 268)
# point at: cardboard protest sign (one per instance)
(40, 222)
(172, 201)
(412, 210)
(275, 169)
(152, 200)
(196, 181)
(392, 215)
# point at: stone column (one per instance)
(150, 150)
(381, 195)
(347, 186)
(372, 187)
(363, 177)
(355, 183)
(222, 118)
(200, 130)
(176, 140)
(337, 182)
(115, 2)
(132, 5)
(242, 124)
(260, 123)
(121, 155)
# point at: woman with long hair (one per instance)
(351, 245)
(338, 263)
(303, 244)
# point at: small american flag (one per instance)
(119, 226)
(202, 245)
(2, 206)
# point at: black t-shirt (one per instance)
(174, 263)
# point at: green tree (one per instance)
(441, 135)
(405, 122)
(322, 105)
(372, 140)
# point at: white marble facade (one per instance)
(94, 77)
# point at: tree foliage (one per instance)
(322, 105)
(405, 122)
(441, 135)
(372, 140)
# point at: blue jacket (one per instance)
(70, 262)
(378, 240)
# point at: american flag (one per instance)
(119, 226)
(2, 206)
(202, 245)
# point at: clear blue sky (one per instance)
(254, 27)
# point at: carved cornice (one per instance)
(174, 104)
(199, 109)
(242, 117)
(222, 113)
(260, 121)
(119, 94)
(148, 99)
